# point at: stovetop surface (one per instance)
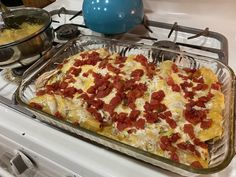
(84, 157)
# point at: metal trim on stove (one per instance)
(222, 52)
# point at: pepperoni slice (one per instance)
(63, 85)
(188, 94)
(53, 87)
(95, 113)
(204, 99)
(183, 76)
(165, 142)
(137, 74)
(85, 74)
(134, 115)
(161, 107)
(92, 90)
(150, 68)
(119, 85)
(200, 87)
(122, 121)
(132, 106)
(76, 71)
(175, 88)
(58, 115)
(94, 55)
(216, 86)
(113, 69)
(141, 59)
(151, 117)
(36, 105)
(200, 103)
(194, 116)
(132, 95)
(191, 147)
(205, 124)
(119, 59)
(129, 84)
(198, 80)
(41, 92)
(182, 146)
(196, 164)
(174, 156)
(123, 125)
(121, 117)
(139, 124)
(84, 96)
(199, 143)
(103, 63)
(98, 104)
(170, 81)
(171, 122)
(69, 92)
(108, 108)
(159, 95)
(68, 76)
(78, 63)
(186, 84)
(168, 113)
(115, 101)
(174, 67)
(104, 93)
(188, 129)
(174, 137)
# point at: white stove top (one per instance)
(218, 15)
(85, 159)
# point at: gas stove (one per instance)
(68, 153)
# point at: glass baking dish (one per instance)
(221, 151)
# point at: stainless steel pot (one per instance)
(31, 47)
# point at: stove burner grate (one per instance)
(67, 31)
(160, 55)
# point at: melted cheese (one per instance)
(75, 109)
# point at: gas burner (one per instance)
(162, 55)
(6, 54)
(67, 31)
(18, 72)
(9, 55)
(15, 74)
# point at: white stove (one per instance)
(58, 154)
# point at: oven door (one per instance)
(58, 154)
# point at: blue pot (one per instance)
(112, 16)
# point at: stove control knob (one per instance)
(20, 163)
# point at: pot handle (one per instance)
(42, 60)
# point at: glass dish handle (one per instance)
(234, 113)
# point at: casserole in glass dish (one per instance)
(221, 150)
